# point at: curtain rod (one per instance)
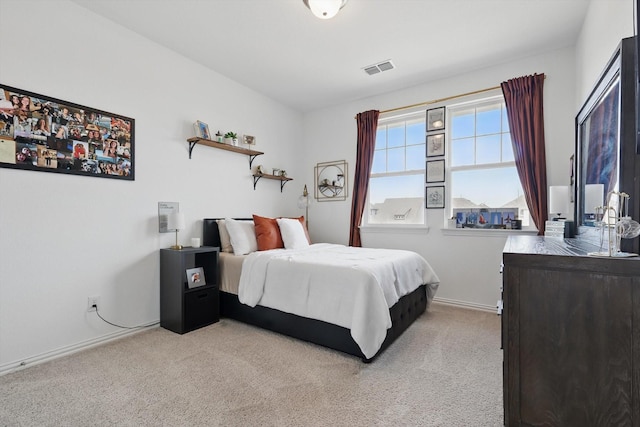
(435, 101)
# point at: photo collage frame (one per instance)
(42, 133)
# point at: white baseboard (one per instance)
(66, 351)
(465, 304)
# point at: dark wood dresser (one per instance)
(570, 335)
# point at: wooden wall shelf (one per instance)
(283, 179)
(210, 143)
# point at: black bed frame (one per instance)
(403, 313)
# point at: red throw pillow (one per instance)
(267, 233)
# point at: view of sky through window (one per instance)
(480, 165)
(481, 158)
(400, 154)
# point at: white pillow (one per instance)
(242, 235)
(225, 240)
(292, 233)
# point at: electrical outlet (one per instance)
(91, 302)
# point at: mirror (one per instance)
(599, 149)
(331, 181)
(606, 158)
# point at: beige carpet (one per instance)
(445, 370)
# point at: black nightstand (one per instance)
(183, 309)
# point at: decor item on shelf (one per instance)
(175, 222)
(260, 169)
(304, 202)
(231, 138)
(219, 137)
(202, 130)
(276, 171)
(249, 140)
(325, 9)
(331, 181)
(283, 173)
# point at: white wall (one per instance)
(468, 266)
(607, 22)
(65, 238)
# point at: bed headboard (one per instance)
(210, 232)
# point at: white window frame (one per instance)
(365, 225)
(475, 103)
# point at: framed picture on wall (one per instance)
(435, 119)
(46, 134)
(435, 197)
(435, 171)
(435, 145)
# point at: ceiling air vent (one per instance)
(379, 67)
(386, 65)
(372, 70)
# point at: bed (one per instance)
(328, 333)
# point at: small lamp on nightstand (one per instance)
(175, 221)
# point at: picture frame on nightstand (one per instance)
(195, 277)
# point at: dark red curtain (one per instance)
(523, 98)
(367, 128)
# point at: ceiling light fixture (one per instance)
(325, 9)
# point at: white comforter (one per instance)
(346, 286)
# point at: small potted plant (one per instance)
(231, 138)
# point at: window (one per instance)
(482, 167)
(396, 185)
